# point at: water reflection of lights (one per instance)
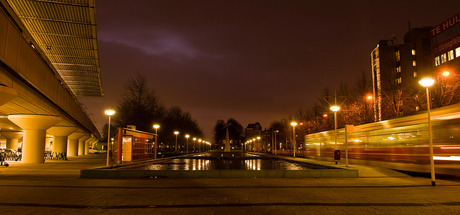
(252, 164)
(200, 164)
(187, 164)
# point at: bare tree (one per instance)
(139, 105)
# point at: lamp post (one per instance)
(199, 149)
(156, 127)
(293, 124)
(275, 145)
(194, 143)
(175, 147)
(254, 144)
(427, 83)
(335, 109)
(187, 136)
(258, 143)
(109, 113)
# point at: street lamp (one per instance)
(335, 109)
(199, 149)
(275, 145)
(427, 83)
(445, 74)
(109, 113)
(176, 133)
(187, 136)
(258, 143)
(293, 124)
(194, 143)
(156, 127)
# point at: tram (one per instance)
(401, 143)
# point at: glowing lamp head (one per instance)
(109, 112)
(446, 73)
(199, 140)
(369, 97)
(176, 132)
(253, 139)
(426, 82)
(335, 108)
(187, 136)
(156, 126)
(293, 124)
(194, 138)
(258, 138)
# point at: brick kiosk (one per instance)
(132, 145)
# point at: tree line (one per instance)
(140, 106)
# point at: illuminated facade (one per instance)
(446, 45)
(446, 60)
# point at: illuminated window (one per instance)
(450, 55)
(457, 52)
(398, 56)
(414, 63)
(415, 74)
(398, 69)
(437, 62)
(443, 58)
(398, 80)
(413, 51)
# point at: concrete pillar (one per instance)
(87, 144)
(84, 144)
(60, 137)
(74, 138)
(12, 139)
(34, 126)
(81, 144)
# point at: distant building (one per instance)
(395, 71)
(253, 130)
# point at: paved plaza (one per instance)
(55, 188)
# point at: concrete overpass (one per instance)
(48, 57)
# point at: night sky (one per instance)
(250, 60)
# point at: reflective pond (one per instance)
(227, 161)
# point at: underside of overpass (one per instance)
(48, 56)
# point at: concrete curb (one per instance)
(131, 173)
